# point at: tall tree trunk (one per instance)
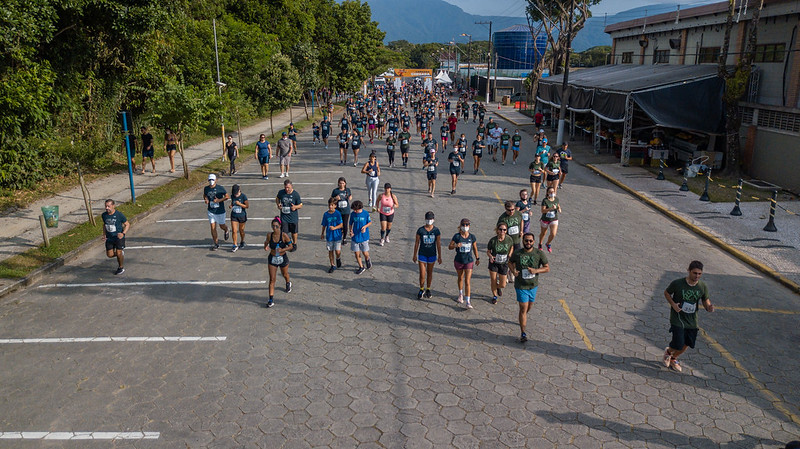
(305, 106)
(271, 128)
(183, 156)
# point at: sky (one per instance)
(516, 8)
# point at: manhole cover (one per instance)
(761, 185)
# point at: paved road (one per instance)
(348, 360)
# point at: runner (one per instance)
(343, 198)
(355, 145)
(477, 152)
(148, 150)
(456, 162)
(550, 210)
(171, 146)
(527, 265)
(359, 235)
(387, 203)
(544, 153)
(565, 154)
(371, 122)
(115, 226)
(536, 168)
(332, 225)
(344, 139)
(427, 251)
(430, 163)
(683, 296)
(325, 129)
(465, 113)
(499, 249)
(452, 121)
(373, 170)
(391, 143)
(553, 169)
(288, 201)
(233, 152)
(444, 131)
(494, 141)
(505, 139)
(277, 245)
(263, 153)
(515, 143)
(466, 258)
(239, 205)
(513, 221)
(315, 131)
(284, 154)
(214, 196)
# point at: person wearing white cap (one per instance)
(214, 196)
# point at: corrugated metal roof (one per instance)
(516, 28)
(634, 78)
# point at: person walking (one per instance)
(115, 227)
(465, 259)
(263, 153)
(684, 295)
(373, 171)
(477, 152)
(524, 208)
(405, 144)
(360, 222)
(332, 226)
(284, 154)
(214, 196)
(565, 155)
(289, 202)
(387, 203)
(550, 210)
(170, 146)
(516, 139)
(391, 144)
(239, 206)
(233, 152)
(553, 171)
(277, 244)
(513, 220)
(343, 198)
(148, 151)
(456, 163)
(344, 140)
(499, 249)
(536, 168)
(427, 251)
(431, 163)
(526, 265)
(355, 145)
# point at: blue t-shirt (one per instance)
(263, 148)
(357, 221)
(332, 219)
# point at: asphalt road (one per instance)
(346, 360)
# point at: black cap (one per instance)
(429, 215)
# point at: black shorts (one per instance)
(325, 135)
(387, 218)
(403, 151)
(480, 155)
(289, 228)
(536, 179)
(431, 176)
(115, 244)
(499, 268)
(242, 219)
(455, 171)
(285, 261)
(682, 337)
(263, 160)
(565, 169)
(148, 153)
(552, 177)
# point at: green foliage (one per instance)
(592, 57)
(279, 72)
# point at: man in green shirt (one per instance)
(513, 219)
(683, 296)
(526, 265)
(405, 143)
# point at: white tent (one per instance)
(442, 78)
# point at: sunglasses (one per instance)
(528, 241)
(502, 229)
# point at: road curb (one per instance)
(769, 271)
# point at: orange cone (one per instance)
(498, 105)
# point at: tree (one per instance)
(305, 58)
(276, 86)
(736, 85)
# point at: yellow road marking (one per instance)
(498, 198)
(770, 396)
(755, 309)
(577, 325)
(755, 197)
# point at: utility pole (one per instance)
(563, 111)
(220, 85)
(489, 59)
(469, 60)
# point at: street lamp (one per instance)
(469, 59)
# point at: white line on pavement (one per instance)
(293, 183)
(79, 435)
(150, 283)
(105, 339)
(294, 172)
(166, 246)
(177, 220)
(260, 199)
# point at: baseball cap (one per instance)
(212, 177)
(429, 215)
(283, 133)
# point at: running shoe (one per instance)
(494, 299)
(549, 249)
(266, 177)
(428, 293)
(499, 291)
(380, 243)
(540, 247)
(360, 270)
(523, 338)
(560, 186)
(215, 247)
(534, 202)
(469, 306)
(338, 263)
(674, 364)
(369, 264)
(667, 357)
(120, 270)
(420, 294)
(460, 299)
(387, 239)
(269, 303)
(288, 287)
(331, 269)
(513, 162)
(281, 176)
(452, 192)
(242, 245)
(234, 248)
(226, 235)
(355, 163)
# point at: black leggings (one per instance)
(391, 156)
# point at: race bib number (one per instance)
(277, 260)
(213, 205)
(110, 228)
(501, 258)
(431, 168)
(342, 140)
(525, 216)
(372, 173)
(237, 209)
(465, 247)
(390, 147)
(456, 163)
(405, 141)
(537, 172)
(550, 214)
(527, 274)
(342, 204)
(429, 239)
(688, 307)
(387, 209)
(477, 150)
(513, 230)
(555, 171)
(444, 134)
(505, 142)
(286, 210)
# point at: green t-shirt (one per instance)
(514, 224)
(523, 260)
(405, 140)
(536, 166)
(500, 249)
(551, 215)
(515, 139)
(504, 138)
(689, 299)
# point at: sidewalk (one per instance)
(20, 230)
(776, 253)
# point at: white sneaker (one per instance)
(460, 299)
(387, 239)
(281, 176)
(469, 306)
(381, 242)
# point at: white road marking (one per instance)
(178, 220)
(79, 435)
(150, 283)
(6, 341)
(294, 172)
(293, 183)
(166, 246)
(259, 199)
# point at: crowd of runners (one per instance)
(516, 253)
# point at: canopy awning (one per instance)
(442, 77)
(675, 96)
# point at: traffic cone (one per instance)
(498, 105)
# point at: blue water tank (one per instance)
(517, 49)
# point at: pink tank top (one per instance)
(386, 205)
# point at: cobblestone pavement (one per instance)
(346, 360)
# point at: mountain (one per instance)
(439, 21)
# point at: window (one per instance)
(770, 53)
(708, 55)
(661, 57)
(627, 57)
(784, 121)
